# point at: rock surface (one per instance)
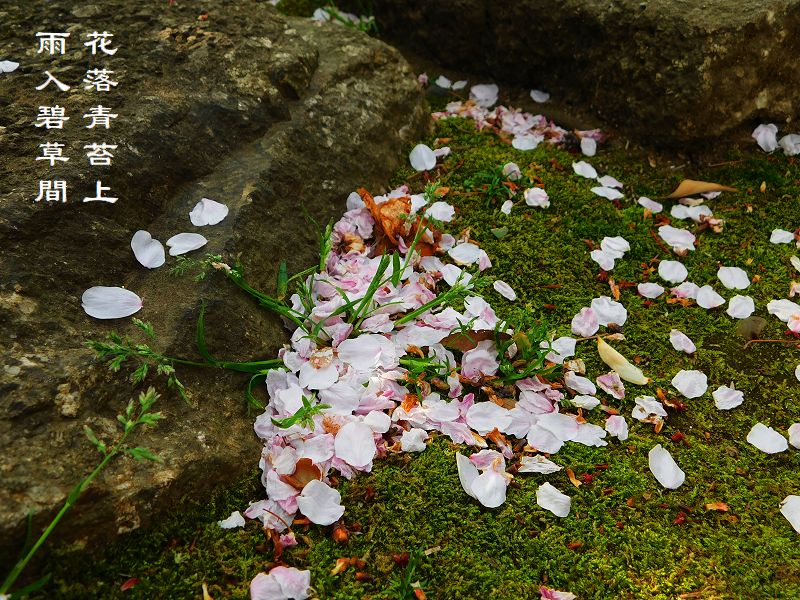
(668, 72)
(279, 118)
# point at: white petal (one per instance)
(741, 307)
(540, 96)
(609, 311)
(484, 94)
(563, 427)
(149, 252)
(585, 324)
(208, 212)
(665, 469)
(367, 352)
(733, 278)
(467, 473)
(185, 242)
(585, 402)
(686, 290)
(781, 236)
(443, 82)
(708, 298)
(562, 348)
(489, 488)
(460, 84)
(320, 503)
(617, 426)
(790, 144)
(235, 520)
(672, 271)
(378, 421)
(653, 206)
(767, 439)
(103, 302)
(543, 440)
(582, 385)
(783, 309)
(766, 136)
(413, 440)
(422, 158)
(526, 142)
(603, 259)
(679, 239)
(726, 397)
(465, 253)
(797, 372)
(584, 169)
(681, 342)
(794, 435)
(441, 211)
(536, 197)
(538, 464)
(507, 206)
(7, 66)
(355, 445)
(607, 192)
(549, 498)
(485, 416)
(691, 384)
(650, 290)
(790, 508)
(609, 181)
(615, 246)
(318, 379)
(505, 290)
(588, 146)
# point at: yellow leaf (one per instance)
(620, 364)
(689, 187)
(720, 506)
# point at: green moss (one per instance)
(621, 539)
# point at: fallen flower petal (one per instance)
(8, 66)
(208, 212)
(733, 278)
(794, 435)
(103, 302)
(282, 583)
(540, 96)
(467, 473)
(708, 298)
(527, 142)
(767, 439)
(609, 311)
(538, 464)
(502, 288)
(617, 426)
(149, 252)
(781, 236)
(185, 242)
(649, 290)
(413, 440)
(766, 136)
(681, 342)
(320, 503)
(790, 144)
(484, 94)
(665, 469)
(536, 197)
(584, 169)
(672, 271)
(422, 158)
(235, 520)
(790, 508)
(588, 146)
(585, 324)
(691, 384)
(726, 397)
(680, 240)
(741, 307)
(651, 205)
(607, 192)
(355, 445)
(550, 498)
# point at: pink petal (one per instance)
(681, 342)
(413, 440)
(584, 169)
(653, 206)
(767, 137)
(617, 426)
(536, 197)
(110, 302)
(502, 288)
(585, 324)
(538, 464)
(612, 384)
(355, 444)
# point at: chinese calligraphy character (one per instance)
(100, 197)
(99, 154)
(62, 86)
(52, 42)
(52, 191)
(99, 79)
(100, 41)
(51, 117)
(101, 117)
(52, 151)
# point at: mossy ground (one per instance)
(621, 539)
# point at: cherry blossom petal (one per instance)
(149, 252)
(489, 488)
(649, 290)
(506, 207)
(588, 146)
(783, 309)
(378, 421)
(611, 384)
(208, 212)
(485, 416)
(691, 384)
(733, 278)
(686, 290)
(484, 94)
(480, 361)
(609, 311)
(543, 440)
(538, 464)
(505, 290)
(607, 192)
(651, 205)
(665, 469)
(562, 348)
(235, 520)
(767, 137)
(355, 445)
(540, 96)
(413, 440)
(441, 211)
(781, 236)
(672, 271)
(185, 242)
(767, 439)
(582, 385)
(584, 169)
(367, 352)
(615, 246)
(536, 197)
(790, 508)
(790, 144)
(585, 402)
(585, 324)
(726, 398)
(320, 503)
(467, 473)
(460, 84)
(318, 379)
(422, 158)
(8, 66)
(681, 342)
(103, 302)
(603, 259)
(512, 171)
(794, 435)
(443, 82)
(708, 298)
(527, 141)
(740, 307)
(617, 426)
(679, 239)
(647, 407)
(465, 253)
(550, 498)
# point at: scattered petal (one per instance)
(185, 242)
(707, 298)
(502, 288)
(741, 307)
(549, 498)
(679, 239)
(649, 290)
(584, 169)
(235, 520)
(794, 435)
(672, 271)
(617, 426)
(588, 146)
(103, 302)
(149, 252)
(607, 192)
(484, 94)
(506, 208)
(538, 464)
(609, 311)
(467, 473)
(665, 469)
(413, 440)
(781, 236)
(208, 212)
(354, 444)
(790, 508)
(540, 96)
(526, 141)
(790, 144)
(441, 211)
(8, 66)
(733, 278)
(767, 439)
(422, 158)
(320, 503)
(767, 137)
(681, 342)
(726, 398)
(611, 384)
(585, 324)
(537, 197)
(651, 205)
(691, 384)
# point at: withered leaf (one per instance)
(689, 187)
(468, 340)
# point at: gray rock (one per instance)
(669, 72)
(278, 118)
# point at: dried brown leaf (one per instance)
(689, 187)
